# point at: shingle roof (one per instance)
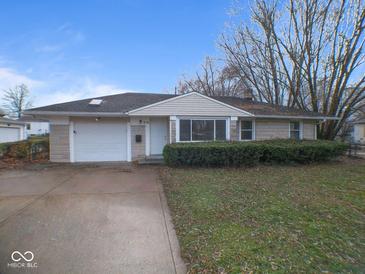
(122, 103)
(258, 108)
(113, 103)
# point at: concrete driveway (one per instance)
(86, 219)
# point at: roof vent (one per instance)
(95, 102)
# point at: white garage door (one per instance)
(9, 134)
(97, 141)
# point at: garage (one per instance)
(9, 134)
(98, 140)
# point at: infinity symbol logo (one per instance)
(16, 256)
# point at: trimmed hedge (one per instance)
(251, 153)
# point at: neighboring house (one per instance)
(359, 131)
(130, 126)
(12, 130)
(35, 126)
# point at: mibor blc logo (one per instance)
(20, 260)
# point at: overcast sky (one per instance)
(66, 50)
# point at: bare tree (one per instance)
(16, 100)
(305, 53)
(213, 81)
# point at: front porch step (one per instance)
(152, 160)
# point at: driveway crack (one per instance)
(27, 205)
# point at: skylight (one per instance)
(95, 102)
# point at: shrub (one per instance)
(3, 149)
(251, 153)
(19, 150)
(27, 149)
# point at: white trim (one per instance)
(189, 94)
(71, 140)
(170, 130)
(177, 129)
(129, 143)
(73, 113)
(172, 119)
(148, 139)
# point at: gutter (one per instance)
(298, 117)
(74, 113)
(128, 114)
(13, 122)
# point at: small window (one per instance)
(295, 130)
(138, 138)
(28, 126)
(246, 130)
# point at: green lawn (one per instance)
(270, 218)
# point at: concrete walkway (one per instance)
(77, 219)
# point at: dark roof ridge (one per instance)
(100, 97)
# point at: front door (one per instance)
(158, 126)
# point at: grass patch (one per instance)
(270, 218)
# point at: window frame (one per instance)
(253, 130)
(300, 129)
(201, 119)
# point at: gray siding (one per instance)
(272, 129)
(138, 149)
(309, 130)
(279, 129)
(190, 105)
(59, 141)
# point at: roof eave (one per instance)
(298, 117)
(13, 122)
(75, 113)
